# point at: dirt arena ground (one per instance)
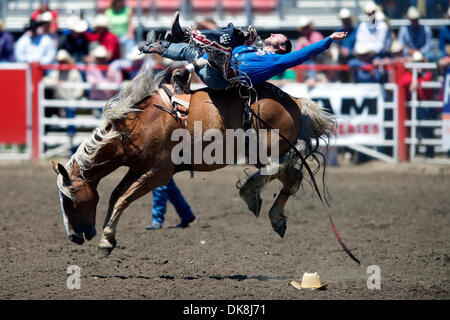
(395, 217)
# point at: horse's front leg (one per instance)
(139, 187)
(120, 189)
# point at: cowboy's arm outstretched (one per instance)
(295, 58)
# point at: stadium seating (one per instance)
(202, 6)
(102, 5)
(168, 6)
(264, 6)
(233, 6)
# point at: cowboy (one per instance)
(246, 62)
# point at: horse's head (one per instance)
(78, 200)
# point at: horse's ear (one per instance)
(55, 167)
(63, 172)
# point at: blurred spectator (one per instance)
(444, 62)
(65, 75)
(444, 37)
(416, 36)
(407, 84)
(46, 19)
(104, 37)
(57, 78)
(373, 32)
(75, 42)
(120, 20)
(347, 45)
(307, 33)
(131, 66)
(103, 86)
(287, 76)
(35, 47)
(362, 68)
(44, 7)
(308, 36)
(6, 45)
(206, 24)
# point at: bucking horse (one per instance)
(136, 132)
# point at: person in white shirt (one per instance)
(373, 32)
(35, 47)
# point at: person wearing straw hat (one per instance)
(347, 45)
(46, 19)
(128, 67)
(98, 77)
(362, 66)
(416, 37)
(373, 31)
(74, 40)
(104, 37)
(307, 33)
(6, 45)
(307, 37)
(57, 77)
(407, 84)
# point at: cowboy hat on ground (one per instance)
(309, 281)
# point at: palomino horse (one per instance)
(136, 134)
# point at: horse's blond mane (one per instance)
(118, 107)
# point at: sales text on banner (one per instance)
(358, 109)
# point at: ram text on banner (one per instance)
(446, 112)
(358, 109)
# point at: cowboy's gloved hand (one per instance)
(181, 75)
(143, 46)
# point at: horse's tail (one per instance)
(317, 123)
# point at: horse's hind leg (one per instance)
(291, 178)
(138, 187)
(251, 190)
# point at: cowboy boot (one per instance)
(155, 35)
(181, 80)
(153, 47)
(175, 34)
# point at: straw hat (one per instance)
(45, 17)
(64, 56)
(413, 13)
(369, 7)
(362, 49)
(417, 56)
(344, 14)
(101, 21)
(100, 52)
(135, 54)
(379, 15)
(303, 22)
(396, 47)
(309, 281)
(77, 25)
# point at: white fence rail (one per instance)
(415, 124)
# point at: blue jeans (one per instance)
(184, 52)
(172, 193)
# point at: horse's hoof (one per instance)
(105, 247)
(279, 227)
(103, 252)
(254, 203)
